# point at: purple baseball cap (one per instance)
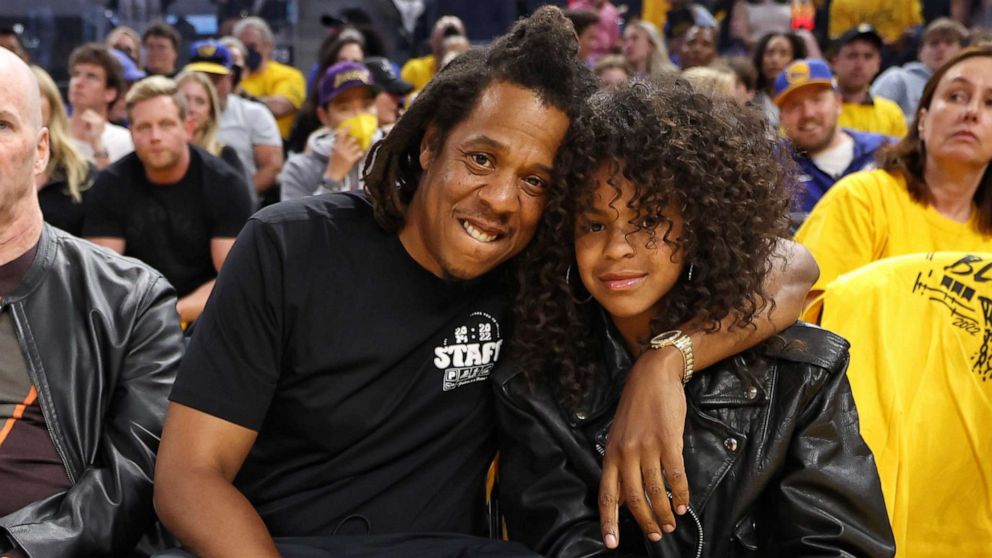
(344, 76)
(131, 70)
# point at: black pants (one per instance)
(408, 545)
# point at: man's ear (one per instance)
(427, 146)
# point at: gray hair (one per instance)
(258, 24)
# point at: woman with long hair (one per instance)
(204, 110)
(774, 52)
(644, 48)
(932, 190)
(675, 203)
(68, 176)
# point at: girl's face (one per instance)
(351, 52)
(197, 103)
(626, 270)
(778, 54)
(636, 45)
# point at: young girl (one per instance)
(675, 205)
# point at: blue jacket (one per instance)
(814, 182)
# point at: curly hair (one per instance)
(540, 53)
(713, 160)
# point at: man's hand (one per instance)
(93, 126)
(344, 156)
(644, 449)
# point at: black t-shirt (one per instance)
(365, 376)
(58, 207)
(169, 226)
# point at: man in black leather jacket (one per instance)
(775, 462)
(89, 346)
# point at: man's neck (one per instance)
(857, 96)
(171, 175)
(840, 137)
(20, 229)
(952, 187)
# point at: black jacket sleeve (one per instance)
(109, 506)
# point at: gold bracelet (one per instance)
(682, 343)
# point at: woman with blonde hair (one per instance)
(63, 185)
(644, 48)
(203, 109)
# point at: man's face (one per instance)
(88, 87)
(23, 143)
(349, 103)
(159, 133)
(223, 86)
(482, 192)
(856, 64)
(937, 50)
(809, 117)
(252, 39)
(699, 48)
(160, 56)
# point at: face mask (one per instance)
(361, 127)
(254, 59)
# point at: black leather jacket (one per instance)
(774, 458)
(102, 343)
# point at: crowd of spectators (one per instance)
(873, 121)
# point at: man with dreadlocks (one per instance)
(338, 381)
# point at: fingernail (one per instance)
(680, 510)
(611, 541)
(668, 528)
(654, 537)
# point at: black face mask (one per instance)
(254, 59)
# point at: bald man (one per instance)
(89, 345)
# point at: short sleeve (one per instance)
(102, 207)
(844, 232)
(232, 365)
(228, 202)
(264, 129)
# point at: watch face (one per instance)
(667, 337)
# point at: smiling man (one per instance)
(338, 381)
(809, 109)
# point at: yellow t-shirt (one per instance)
(278, 79)
(868, 215)
(889, 17)
(656, 12)
(418, 71)
(882, 116)
(920, 328)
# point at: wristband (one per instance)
(682, 343)
(102, 154)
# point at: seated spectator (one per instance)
(89, 347)
(331, 162)
(894, 19)
(391, 101)
(712, 81)
(95, 81)
(68, 175)
(810, 118)
(246, 126)
(605, 30)
(419, 71)
(856, 58)
(747, 77)
(586, 23)
(169, 204)
(774, 52)
(161, 43)
(613, 70)
(921, 325)
(282, 88)
(932, 192)
(682, 16)
(645, 50)
(203, 109)
(131, 74)
(942, 39)
(651, 233)
(11, 40)
(699, 46)
(126, 40)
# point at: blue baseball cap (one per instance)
(802, 73)
(344, 76)
(131, 70)
(210, 57)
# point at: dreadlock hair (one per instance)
(540, 53)
(714, 162)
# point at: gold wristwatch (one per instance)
(683, 343)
